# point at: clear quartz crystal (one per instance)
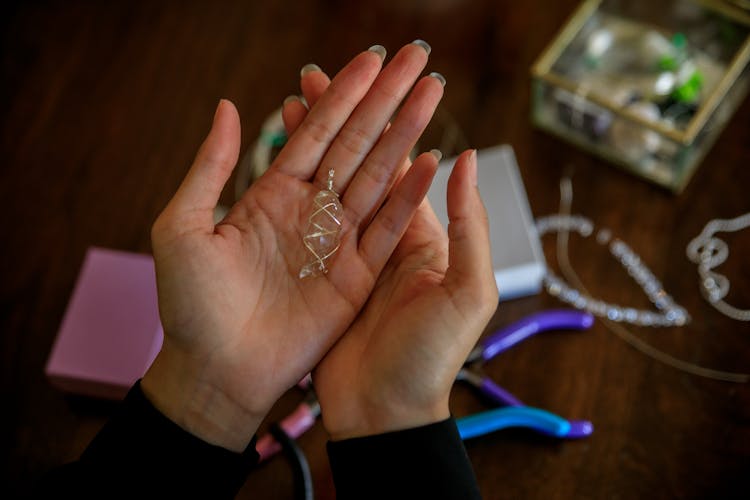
(323, 230)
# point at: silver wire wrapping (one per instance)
(322, 237)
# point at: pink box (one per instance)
(111, 331)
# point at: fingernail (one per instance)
(423, 44)
(309, 68)
(290, 99)
(437, 154)
(473, 166)
(379, 50)
(439, 77)
(216, 111)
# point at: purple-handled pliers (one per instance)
(491, 346)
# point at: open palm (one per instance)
(240, 326)
(395, 365)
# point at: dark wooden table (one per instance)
(104, 105)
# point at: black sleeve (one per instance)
(424, 462)
(140, 453)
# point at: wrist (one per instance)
(381, 420)
(179, 388)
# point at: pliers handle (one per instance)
(555, 319)
(295, 424)
(517, 416)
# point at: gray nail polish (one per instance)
(290, 99)
(438, 77)
(379, 50)
(437, 154)
(423, 44)
(309, 68)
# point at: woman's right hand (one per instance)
(394, 367)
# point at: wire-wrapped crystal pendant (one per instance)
(323, 230)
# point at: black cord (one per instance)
(303, 487)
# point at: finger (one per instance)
(213, 164)
(293, 111)
(368, 121)
(387, 228)
(305, 149)
(424, 232)
(470, 272)
(377, 174)
(314, 83)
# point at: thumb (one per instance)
(470, 275)
(212, 167)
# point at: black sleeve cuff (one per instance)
(141, 450)
(424, 462)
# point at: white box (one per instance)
(516, 251)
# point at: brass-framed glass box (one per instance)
(646, 84)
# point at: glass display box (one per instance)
(646, 85)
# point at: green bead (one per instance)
(679, 40)
(690, 90)
(274, 139)
(668, 62)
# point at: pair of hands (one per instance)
(385, 330)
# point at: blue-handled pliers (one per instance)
(515, 413)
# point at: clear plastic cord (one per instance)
(563, 261)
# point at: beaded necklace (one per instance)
(669, 313)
